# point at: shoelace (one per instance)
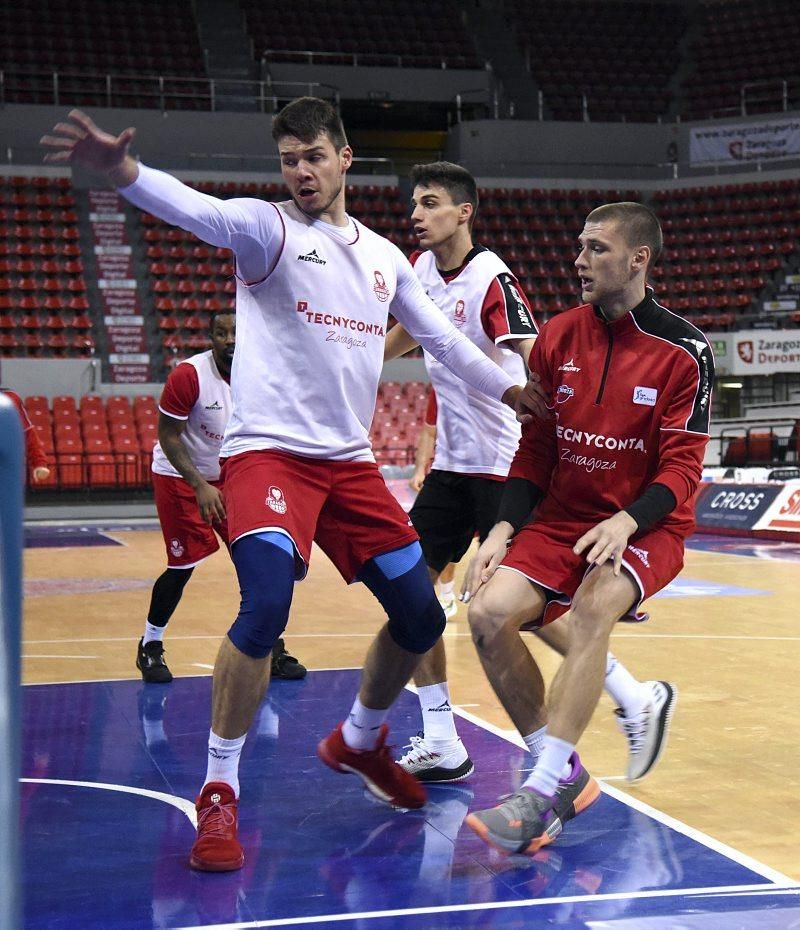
(635, 729)
(418, 751)
(153, 654)
(216, 819)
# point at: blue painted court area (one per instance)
(62, 537)
(110, 767)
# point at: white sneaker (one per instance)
(426, 764)
(647, 732)
(449, 606)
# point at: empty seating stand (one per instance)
(97, 443)
(399, 415)
(43, 290)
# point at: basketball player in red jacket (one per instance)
(597, 506)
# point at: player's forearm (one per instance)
(518, 502)
(178, 456)
(398, 342)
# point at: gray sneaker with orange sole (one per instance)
(528, 820)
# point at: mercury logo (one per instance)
(642, 554)
(312, 257)
(569, 366)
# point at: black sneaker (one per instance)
(150, 662)
(284, 665)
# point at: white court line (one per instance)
(698, 836)
(187, 807)
(454, 635)
(741, 890)
(28, 655)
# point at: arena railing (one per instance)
(358, 59)
(161, 92)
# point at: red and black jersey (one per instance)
(631, 400)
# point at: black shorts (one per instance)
(449, 510)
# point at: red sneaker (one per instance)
(216, 848)
(381, 775)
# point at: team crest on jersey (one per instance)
(176, 548)
(380, 288)
(460, 315)
(275, 500)
(564, 393)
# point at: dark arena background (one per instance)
(556, 106)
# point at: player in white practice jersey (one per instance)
(314, 288)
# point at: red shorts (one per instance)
(543, 553)
(344, 507)
(188, 538)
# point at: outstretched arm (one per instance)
(251, 228)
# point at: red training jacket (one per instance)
(632, 403)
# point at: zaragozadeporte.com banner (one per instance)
(770, 140)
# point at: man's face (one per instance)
(314, 172)
(606, 263)
(434, 216)
(223, 340)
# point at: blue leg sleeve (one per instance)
(265, 567)
(401, 582)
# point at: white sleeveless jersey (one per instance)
(475, 434)
(309, 342)
(205, 425)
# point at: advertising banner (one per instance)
(770, 140)
(765, 352)
(784, 514)
(731, 507)
(124, 323)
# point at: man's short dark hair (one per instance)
(638, 222)
(218, 313)
(457, 181)
(308, 117)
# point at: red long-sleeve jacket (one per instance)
(35, 456)
(631, 400)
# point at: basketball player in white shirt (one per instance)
(314, 288)
(476, 439)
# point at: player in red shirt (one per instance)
(611, 477)
(36, 461)
(193, 410)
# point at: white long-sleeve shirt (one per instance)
(312, 305)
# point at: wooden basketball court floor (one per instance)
(726, 634)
